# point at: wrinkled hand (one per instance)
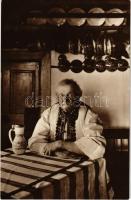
(50, 147)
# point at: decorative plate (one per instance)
(76, 21)
(114, 21)
(96, 21)
(56, 21)
(36, 20)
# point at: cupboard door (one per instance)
(20, 81)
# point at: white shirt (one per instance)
(88, 131)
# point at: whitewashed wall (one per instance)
(107, 93)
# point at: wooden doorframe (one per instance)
(44, 59)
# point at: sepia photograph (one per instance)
(65, 99)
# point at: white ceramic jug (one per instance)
(19, 143)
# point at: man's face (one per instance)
(65, 97)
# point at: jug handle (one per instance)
(10, 135)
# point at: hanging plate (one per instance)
(76, 21)
(76, 66)
(114, 21)
(96, 21)
(56, 21)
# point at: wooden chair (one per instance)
(31, 116)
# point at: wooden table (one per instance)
(45, 177)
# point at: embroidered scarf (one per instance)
(66, 119)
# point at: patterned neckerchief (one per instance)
(66, 120)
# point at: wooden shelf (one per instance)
(21, 54)
(57, 67)
(66, 27)
(84, 15)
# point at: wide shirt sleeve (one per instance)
(92, 143)
(41, 133)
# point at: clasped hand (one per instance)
(51, 147)
(59, 144)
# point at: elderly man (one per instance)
(68, 127)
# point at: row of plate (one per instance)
(77, 21)
(89, 65)
(104, 44)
